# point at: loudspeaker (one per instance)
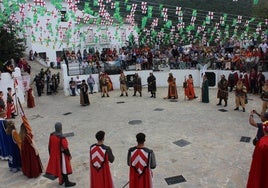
(211, 76)
(130, 78)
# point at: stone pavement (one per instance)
(208, 152)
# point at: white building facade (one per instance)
(50, 28)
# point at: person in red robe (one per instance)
(259, 166)
(11, 110)
(189, 90)
(30, 161)
(141, 160)
(59, 164)
(100, 156)
(30, 98)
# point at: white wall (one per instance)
(161, 77)
(8, 81)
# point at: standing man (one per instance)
(91, 83)
(264, 117)
(100, 156)
(140, 160)
(151, 84)
(2, 102)
(260, 82)
(240, 95)
(258, 170)
(264, 97)
(72, 86)
(137, 84)
(39, 84)
(59, 164)
(123, 84)
(104, 81)
(78, 83)
(222, 90)
(232, 79)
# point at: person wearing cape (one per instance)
(59, 164)
(140, 160)
(100, 156)
(259, 166)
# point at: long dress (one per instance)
(205, 94)
(84, 100)
(189, 90)
(172, 88)
(30, 99)
(4, 149)
(30, 160)
(14, 161)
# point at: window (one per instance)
(63, 14)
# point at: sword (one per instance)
(125, 184)
(68, 134)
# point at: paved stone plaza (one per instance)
(193, 140)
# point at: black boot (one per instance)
(244, 109)
(67, 182)
(225, 104)
(236, 108)
(219, 103)
(154, 95)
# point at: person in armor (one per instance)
(151, 84)
(140, 160)
(137, 84)
(104, 84)
(59, 163)
(123, 84)
(264, 97)
(222, 90)
(240, 95)
(100, 156)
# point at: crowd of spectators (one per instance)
(242, 56)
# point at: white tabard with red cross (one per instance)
(97, 154)
(139, 160)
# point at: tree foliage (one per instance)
(11, 45)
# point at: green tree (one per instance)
(11, 45)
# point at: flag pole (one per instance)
(15, 89)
